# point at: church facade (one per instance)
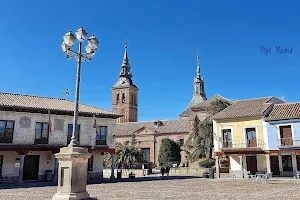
(148, 135)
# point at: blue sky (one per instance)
(163, 38)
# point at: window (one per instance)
(251, 137)
(227, 138)
(118, 98)
(70, 131)
(181, 142)
(286, 135)
(146, 154)
(41, 133)
(101, 136)
(6, 131)
(123, 98)
(287, 163)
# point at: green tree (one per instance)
(200, 141)
(169, 151)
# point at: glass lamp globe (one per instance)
(69, 38)
(81, 34)
(93, 42)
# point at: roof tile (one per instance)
(169, 126)
(52, 104)
(246, 108)
(284, 111)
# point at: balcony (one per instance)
(100, 142)
(41, 141)
(289, 143)
(242, 145)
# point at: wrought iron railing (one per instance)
(289, 141)
(100, 142)
(252, 143)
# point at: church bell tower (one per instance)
(125, 94)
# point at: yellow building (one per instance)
(241, 133)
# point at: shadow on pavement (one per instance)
(104, 181)
(27, 185)
(144, 179)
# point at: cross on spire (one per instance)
(198, 64)
(126, 43)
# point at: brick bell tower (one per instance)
(125, 94)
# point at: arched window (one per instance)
(118, 98)
(123, 98)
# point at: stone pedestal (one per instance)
(72, 174)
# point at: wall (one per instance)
(56, 137)
(9, 160)
(273, 131)
(235, 163)
(237, 127)
(97, 172)
(261, 162)
(46, 162)
(129, 109)
(145, 139)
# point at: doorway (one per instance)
(274, 165)
(1, 163)
(251, 164)
(287, 163)
(31, 167)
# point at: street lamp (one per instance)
(91, 48)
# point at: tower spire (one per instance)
(199, 81)
(125, 67)
(199, 94)
(125, 93)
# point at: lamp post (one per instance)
(72, 172)
(91, 48)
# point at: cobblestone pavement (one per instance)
(170, 188)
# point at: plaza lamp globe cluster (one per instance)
(90, 51)
(81, 35)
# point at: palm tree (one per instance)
(127, 155)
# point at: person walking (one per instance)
(162, 171)
(167, 170)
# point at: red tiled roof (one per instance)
(46, 103)
(168, 126)
(247, 108)
(284, 111)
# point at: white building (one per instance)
(33, 129)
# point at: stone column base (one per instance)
(71, 196)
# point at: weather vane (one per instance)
(126, 42)
(66, 93)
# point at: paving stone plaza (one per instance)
(169, 188)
